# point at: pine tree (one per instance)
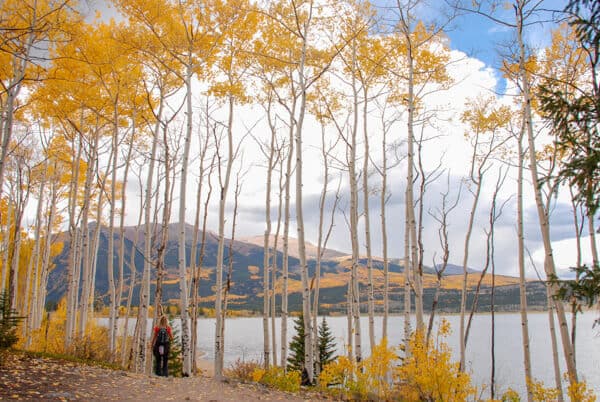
(296, 357)
(175, 356)
(9, 321)
(326, 344)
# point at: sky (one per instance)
(475, 42)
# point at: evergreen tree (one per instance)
(175, 357)
(296, 357)
(326, 344)
(9, 321)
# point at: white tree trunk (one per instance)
(522, 286)
(365, 182)
(183, 289)
(549, 266)
(219, 341)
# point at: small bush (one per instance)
(370, 379)
(578, 391)
(276, 377)
(511, 396)
(9, 322)
(428, 374)
(50, 338)
(242, 370)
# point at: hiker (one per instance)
(162, 335)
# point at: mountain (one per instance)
(452, 269)
(311, 249)
(247, 275)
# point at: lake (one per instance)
(244, 338)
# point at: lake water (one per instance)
(244, 338)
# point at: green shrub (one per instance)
(9, 321)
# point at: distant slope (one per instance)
(311, 249)
(247, 276)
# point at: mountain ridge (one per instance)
(247, 273)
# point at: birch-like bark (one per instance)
(352, 178)
(322, 245)
(132, 275)
(554, 343)
(384, 240)
(21, 196)
(442, 219)
(365, 183)
(267, 265)
(306, 308)
(522, 282)
(161, 247)
(140, 336)
(549, 266)
(183, 288)
(224, 184)
(112, 288)
(286, 231)
(86, 269)
(74, 238)
(45, 263)
(6, 244)
(121, 266)
(34, 273)
(275, 257)
(194, 266)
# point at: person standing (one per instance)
(162, 335)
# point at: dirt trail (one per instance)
(26, 377)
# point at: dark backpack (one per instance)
(162, 339)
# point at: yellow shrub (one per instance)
(50, 338)
(577, 392)
(511, 396)
(580, 392)
(427, 373)
(276, 377)
(368, 379)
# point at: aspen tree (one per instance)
(274, 280)
(18, 176)
(521, 259)
(484, 121)
(27, 26)
(267, 265)
(549, 265)
(293, 24)
(239, 25)
(441, 216)
(33, 269)
(525, 14)
(364, 63)
(127, 351)
(386, 126)
(194, 265)
(423, 57)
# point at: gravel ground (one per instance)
(25, 377)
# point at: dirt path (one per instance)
(26, 377)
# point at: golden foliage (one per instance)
(50, 338)
(278, 378)
(577, 392)
(368, 379)
(428, 373)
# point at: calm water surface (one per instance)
(244, 338)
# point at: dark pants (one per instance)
(161, 368)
